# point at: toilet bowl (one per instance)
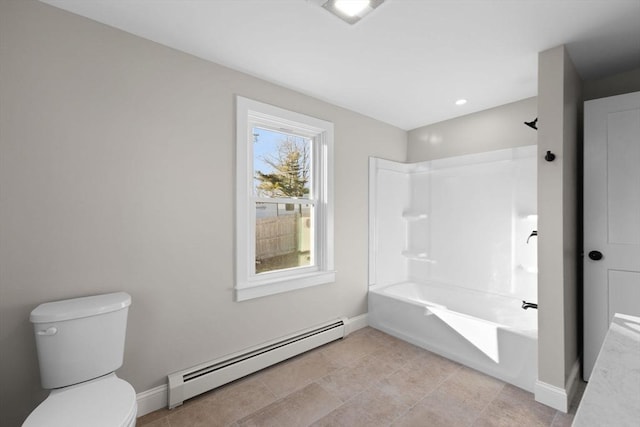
(80, 344)
(104, 402)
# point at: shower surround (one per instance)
(452, 258)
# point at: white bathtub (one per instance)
(487, 332)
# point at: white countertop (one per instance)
(612, 397)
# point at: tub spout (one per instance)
(526, 305)
(534, 233)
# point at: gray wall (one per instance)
(493, 129)
(559, 101)
(117, 173)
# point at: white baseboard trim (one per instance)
(157, 397)
(152, 400)
(357, 322)
(551, 395)
(556, 397)
(572, 382)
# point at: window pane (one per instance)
(281, 164)
(284, 236)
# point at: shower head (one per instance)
(532, 124)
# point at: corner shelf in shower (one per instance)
(530, 270)
(415, 222)
(414, 215)
(417, 256)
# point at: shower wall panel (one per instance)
(463, 221)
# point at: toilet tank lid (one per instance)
(77, 308)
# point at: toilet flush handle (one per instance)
(49, 331)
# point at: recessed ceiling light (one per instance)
(350, 11)
(351, 7)
(461, 101)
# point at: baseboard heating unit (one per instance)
(191, 382)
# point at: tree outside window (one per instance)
(282, 170)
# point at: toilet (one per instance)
(80, 343)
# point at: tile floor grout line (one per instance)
(426, 395)
(377, 382)
(478, 416)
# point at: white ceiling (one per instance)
(406, 63)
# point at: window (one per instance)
(284, 206)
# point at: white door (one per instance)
(611, 216)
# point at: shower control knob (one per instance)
(595, 255)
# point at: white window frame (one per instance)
(249, 285)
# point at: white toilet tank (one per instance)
(80, 339)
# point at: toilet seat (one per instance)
(104, 402)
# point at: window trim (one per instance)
(247, 284)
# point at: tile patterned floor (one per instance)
(367, 379)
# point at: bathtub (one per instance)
(487, 332)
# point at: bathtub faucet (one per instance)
(526, 305)
(534, 233)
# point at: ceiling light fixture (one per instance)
(461, 101)
(350, 11)
(351, 7)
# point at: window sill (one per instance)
(249, 291)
